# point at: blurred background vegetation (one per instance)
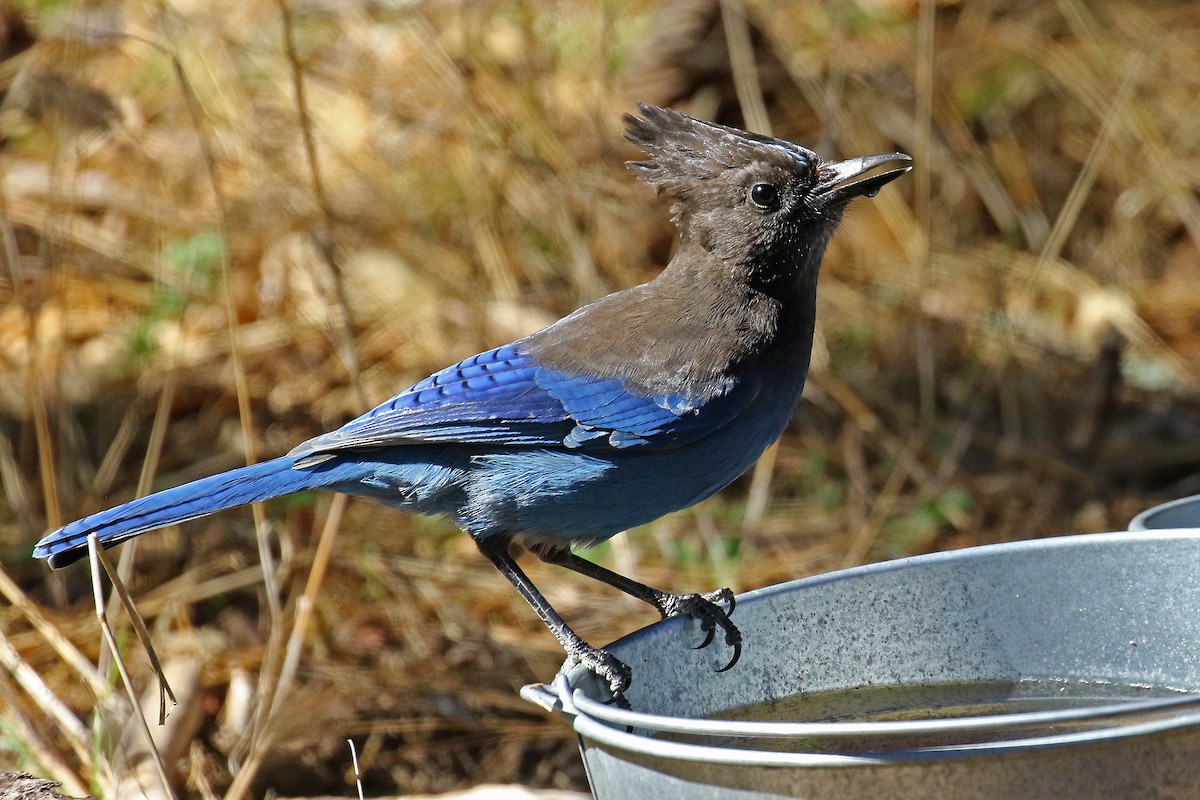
(230, 225)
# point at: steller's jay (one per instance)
(641, 403)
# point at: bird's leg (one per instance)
(702, 607)
(598, 661)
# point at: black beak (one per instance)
(842, 181)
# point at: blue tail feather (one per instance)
(237, 487)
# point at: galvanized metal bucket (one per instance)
(1181, 513)
(1119, 612)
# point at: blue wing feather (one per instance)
(503, 396)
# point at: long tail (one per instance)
(229, 489)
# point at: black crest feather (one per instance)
(684, 149)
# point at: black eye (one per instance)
(764, 195)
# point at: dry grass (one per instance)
(198, 268)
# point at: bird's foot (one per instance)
(706, 609)
(605, 666)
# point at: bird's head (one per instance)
(749, 199)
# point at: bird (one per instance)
(641, 403)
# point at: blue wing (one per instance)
(504, 397)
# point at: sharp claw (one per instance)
(737, 653)
(706, 608)
(619, 701)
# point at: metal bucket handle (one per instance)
(612, 726)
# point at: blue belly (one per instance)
(561, 494)
(586, 498)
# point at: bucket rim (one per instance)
(1142, 521)
(619, 728)
(1021, 546)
